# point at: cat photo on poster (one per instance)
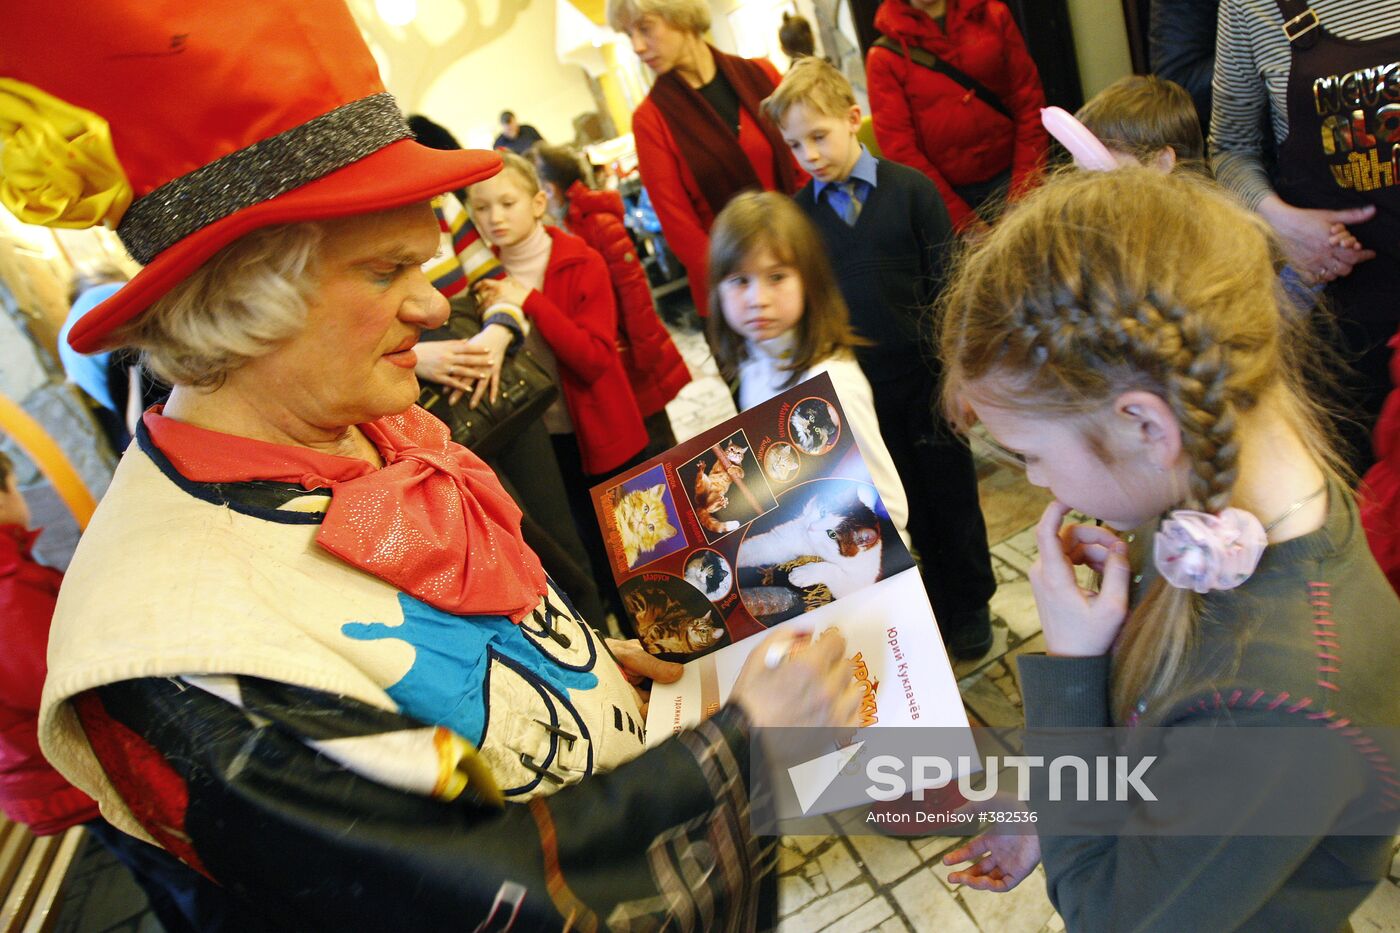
(644, 514)
(815, 426)
(673, 619)
(710, 573)
(725, 486)
(826, 539)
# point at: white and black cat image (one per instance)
(708, 573)
(839, 528)
(813, 425)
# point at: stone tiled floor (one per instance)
(837, 882)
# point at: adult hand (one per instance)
(1077, 622)
(446, 362)
(791, 679)
(1001, 859)
(487, 351)
(507, 290)
(638, 665)
(1312, 241)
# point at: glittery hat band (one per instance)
(259, 172)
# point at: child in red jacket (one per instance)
(31, 791)
(654, 365)
(563, 285)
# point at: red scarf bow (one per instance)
(433, 521)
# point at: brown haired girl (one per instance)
(777, 318)
(1120, 334)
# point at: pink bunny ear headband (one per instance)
(1088, 152)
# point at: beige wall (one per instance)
(1100, 42)
(461, 62)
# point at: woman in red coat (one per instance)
(701, 138)
(941, 124)
(654, 365)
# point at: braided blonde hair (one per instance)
(1104, 283)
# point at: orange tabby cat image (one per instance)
(712, 488)
(642, 522)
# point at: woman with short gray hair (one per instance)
(701, 133)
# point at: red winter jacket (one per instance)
(684, 214)
(31, 791)
(1380, 498)
(577, 316)
(654, 365)
(930, 122)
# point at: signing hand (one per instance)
(1318, 242)
(508, 290)
(638, 666)
(791, 679)
(1078, 623)
(488, 352)
(1001, 859)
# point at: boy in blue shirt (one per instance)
(887, 232)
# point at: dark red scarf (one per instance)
(708, 144)
(433, 521)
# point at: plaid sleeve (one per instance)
(317, 807)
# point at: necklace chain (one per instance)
(1294, 508)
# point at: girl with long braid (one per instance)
(1120, 334)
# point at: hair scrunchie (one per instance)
(1203, 552)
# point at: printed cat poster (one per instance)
(772, 519)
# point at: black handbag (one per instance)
(526, 391)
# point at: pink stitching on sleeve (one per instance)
(1324, 633)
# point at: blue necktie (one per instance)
(847, 207)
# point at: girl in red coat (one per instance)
(701, 137)
(563, 286)
(944, 124)
(654, 365)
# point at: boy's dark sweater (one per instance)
(889, 265)
(1311, 640)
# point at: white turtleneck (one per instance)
(761, 377)
(526, 262)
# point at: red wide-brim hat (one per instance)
(187, 125)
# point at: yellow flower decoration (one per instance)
(58, 167)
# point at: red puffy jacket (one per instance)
(654, 365)
(31, 791)
(1380, 498)
(577, 316)
(930, 122)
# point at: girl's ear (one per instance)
(539, 203)
(1164, 160)
(1146, 424)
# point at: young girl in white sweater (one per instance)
(777, 319)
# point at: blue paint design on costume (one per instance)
(447, 683)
